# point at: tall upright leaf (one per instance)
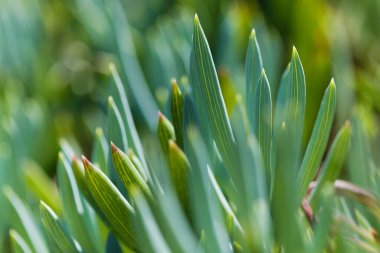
(132, 69)
(253, 69)
(212, 100)
(176, 108)
(206, 210)
(147, 226)
(121, 100)
(291, 103)
(318, 140)
(334, 161)
(262, 119)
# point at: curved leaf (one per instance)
(27, 220)
(18, 243)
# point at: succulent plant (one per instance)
(210, 181)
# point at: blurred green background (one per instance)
(55, 56)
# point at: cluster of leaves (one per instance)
(212, 183)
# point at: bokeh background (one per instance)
(55, 57)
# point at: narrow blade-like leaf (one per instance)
(176, 108)
(100, 151)
(19, 245)
(334, 161)
(75, 212)
(318, 140)
(253, 69)
(56, 231)
(111, 202)
(291, 103)
(262, 118)
(212, 100)
(119, 94)
(165, 132)
(179, 169)
(27, 220)
(127, 172)
(147, 227)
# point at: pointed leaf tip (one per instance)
(113, 147)
(263, 74)
(294, 52)
(112, 67)
(86, 162)
(196, 19)
(253, 34)
(332, 82)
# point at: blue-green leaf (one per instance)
(334, 161)
(56, 230)
(291, 103)
(262, 118)
(75, 212)
(27, 220)
(207, 86)
(132, 69)
(318, 140)
(19, 245)
(253, 69)
(147, 227)
(121, 101)
(111, 202)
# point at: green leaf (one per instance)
(41, 185)
(121, 100)
(75, 211)
(165, 132)
(132, 69)
(56, 231)
(80, 179)
(223, 201)
(117, 135)
(325, 221)
(334, 161)
(207, 214)
(262, 118)
(35, 237)
(127, 171)
(284, 206)
(207, 86)
(116, 128)
(111, 202)
(112, 245)
(253, 71)
(173, 223)
(19, 245)
(179, 169)
(291, 103)
(138, 164)
(318, 140)
(147, 227)
(252, 201)
(176, 109)
(100, 151)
